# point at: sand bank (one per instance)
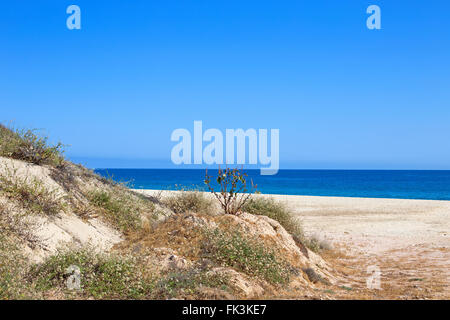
(408, 239)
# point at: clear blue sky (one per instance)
(342, 96)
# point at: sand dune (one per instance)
(407, 239)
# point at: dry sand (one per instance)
(408, 240)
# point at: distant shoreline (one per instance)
(379, 184)
(288, 196)
(372, 225)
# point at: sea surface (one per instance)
(401, 184)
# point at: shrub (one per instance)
(233, 193)
(277, 211)
(188, 201)
(102, 276)
(235, 250)
(188, 282)
(31, 193)
(27, 145)
(119, 207)
(12, 270)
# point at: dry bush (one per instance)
(249, 255)
(189, 283)
(103, 276)
(118, 208)
(278, 212)
(29, 146)
(188, 201)
(232, 186)
(31, 193)
(12, 269)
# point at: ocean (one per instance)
(400, 184)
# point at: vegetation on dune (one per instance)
(121, 208)
(234, 249)
(278, 212)
(188, 201)
(191, 230)
(189, 283)
(232, 193)
(29, 146)
(30, 193)
(12, 269)
(102, 276)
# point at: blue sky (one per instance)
(342, 96)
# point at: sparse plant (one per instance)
(279, 212)
(29, 146)
(319, 244)
(233, 192)
(233, 249)
(12, 269)
(15, 224)
(188, 282)
(188, 201)
(120, 208)
(31, 193)
(102, 276)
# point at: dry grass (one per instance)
(12, 270)
(102, 276)
(188, 201)
(278, 212)
(30, 193)
(118, 207)
(248, 255)
(195, 238)
(189, 284)
(29, 146)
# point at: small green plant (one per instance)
(102, 276)
(12, 269)
(233, 192)
(31, 193)
(29, 146)
(120, 208)
(276, 211)
(188, 282)
(245, 254)
(188, 201)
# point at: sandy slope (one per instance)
(407, 239)
(377, 224)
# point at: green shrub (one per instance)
(188, 201)
(12, 271)
(31, 193)
(188, 282)
(248, 255)
(277, 211)
(232, 189)
(27, 145)
(119, 207)
(102, 276)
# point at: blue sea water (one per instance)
(401, 184)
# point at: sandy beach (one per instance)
(407, 239)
